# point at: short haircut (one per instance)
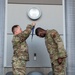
(38, 30)
(13, 28)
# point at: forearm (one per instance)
(27, 31)
(25, 34)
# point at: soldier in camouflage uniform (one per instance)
(55, 49)
(20, 55)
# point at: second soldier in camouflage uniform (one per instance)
(55, 49)
(20, 55)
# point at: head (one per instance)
(16, 29)
(40, 32)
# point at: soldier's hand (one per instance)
(54, 35)
(60, 60)
(33, 24)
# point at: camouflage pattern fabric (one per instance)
(59, 69)
(18, 66)
(20, 55)
(55, 49)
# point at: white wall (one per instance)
(2, 28)
(52, 18)
(70, 37)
